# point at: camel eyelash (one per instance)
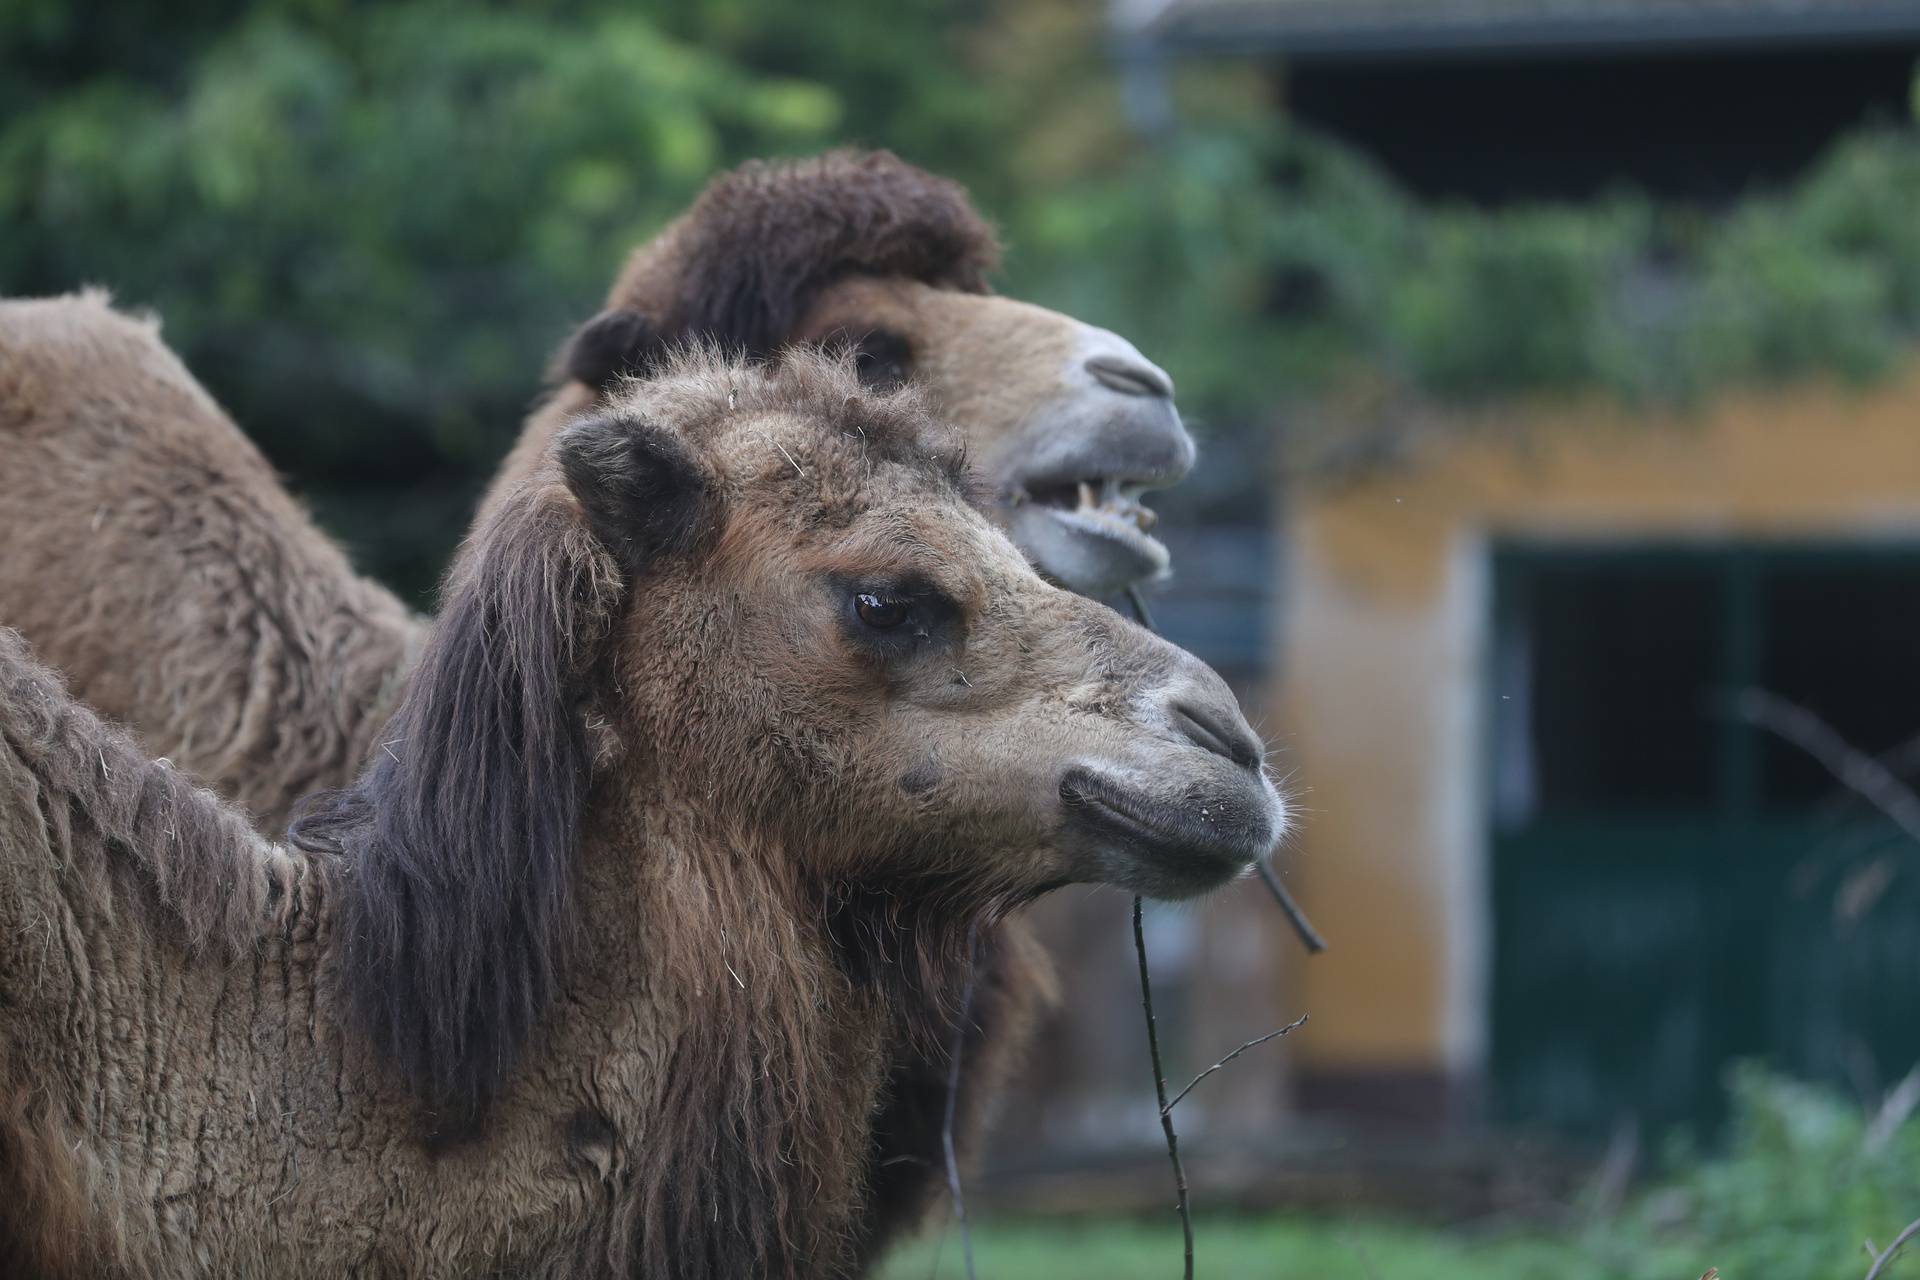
(894, 618)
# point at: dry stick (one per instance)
(1859, 772)
(1254, 1043)
(953, 1098)
(1879, 1263)
(1140, 610)
(1893, 1112)
(1310, 937)
(1145, 615)
(1160, 1090)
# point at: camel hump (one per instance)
(77, 354)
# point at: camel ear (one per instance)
(613, 343)
(642, 491)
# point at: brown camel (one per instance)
(233, 638)
(739, 721)
(1070, 424)
(221, 627)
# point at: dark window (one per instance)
(1842, 640)
(1622, 661)
(1617, 673)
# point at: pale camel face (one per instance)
(856, 658)
(1069, 423)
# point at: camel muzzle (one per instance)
(1192, 810)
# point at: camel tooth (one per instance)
(1087, 498)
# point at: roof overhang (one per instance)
(1379, 30)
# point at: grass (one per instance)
(1294, 1248)
(1801, 1178)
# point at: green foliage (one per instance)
(1796, 1192)
(1279, 264)
(322, 217)
(367, 226)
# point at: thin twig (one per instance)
(1879, 1263)
(1140, 610)
(1254, 1043)
(953, 1099)
(1309, 936)
(1893, 1112)
(1859, 772)
(1160, 1090)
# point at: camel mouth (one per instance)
(1091, 535)
(1164, 850)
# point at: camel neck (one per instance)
(760, 1064)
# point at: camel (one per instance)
(740, 720)
(123, 475)
(234, 638)
(1070, 424)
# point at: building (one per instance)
(1569, 879)
(1524, 99)
(1518, 664)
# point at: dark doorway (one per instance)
(1674, 887)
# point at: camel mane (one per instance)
(210, 874)
(744, 265)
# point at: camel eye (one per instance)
(880, 612)
(884, 360)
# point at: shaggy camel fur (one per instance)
(232, 637)
(739, 721)
(265, 664)
(153, 557)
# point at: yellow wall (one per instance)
(1383, 635)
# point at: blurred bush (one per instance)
(367, 225)
(1805, 1177)
(1261, 263)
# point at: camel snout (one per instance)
(1186, 807)
(1074, 476)
(1200, 782)
(1169, 831)
(1221, 730)
(1131, 374)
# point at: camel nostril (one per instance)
(1220, 735)
(1130, 377)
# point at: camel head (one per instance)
(835, 648)
(1070, 424)
(755, 608)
